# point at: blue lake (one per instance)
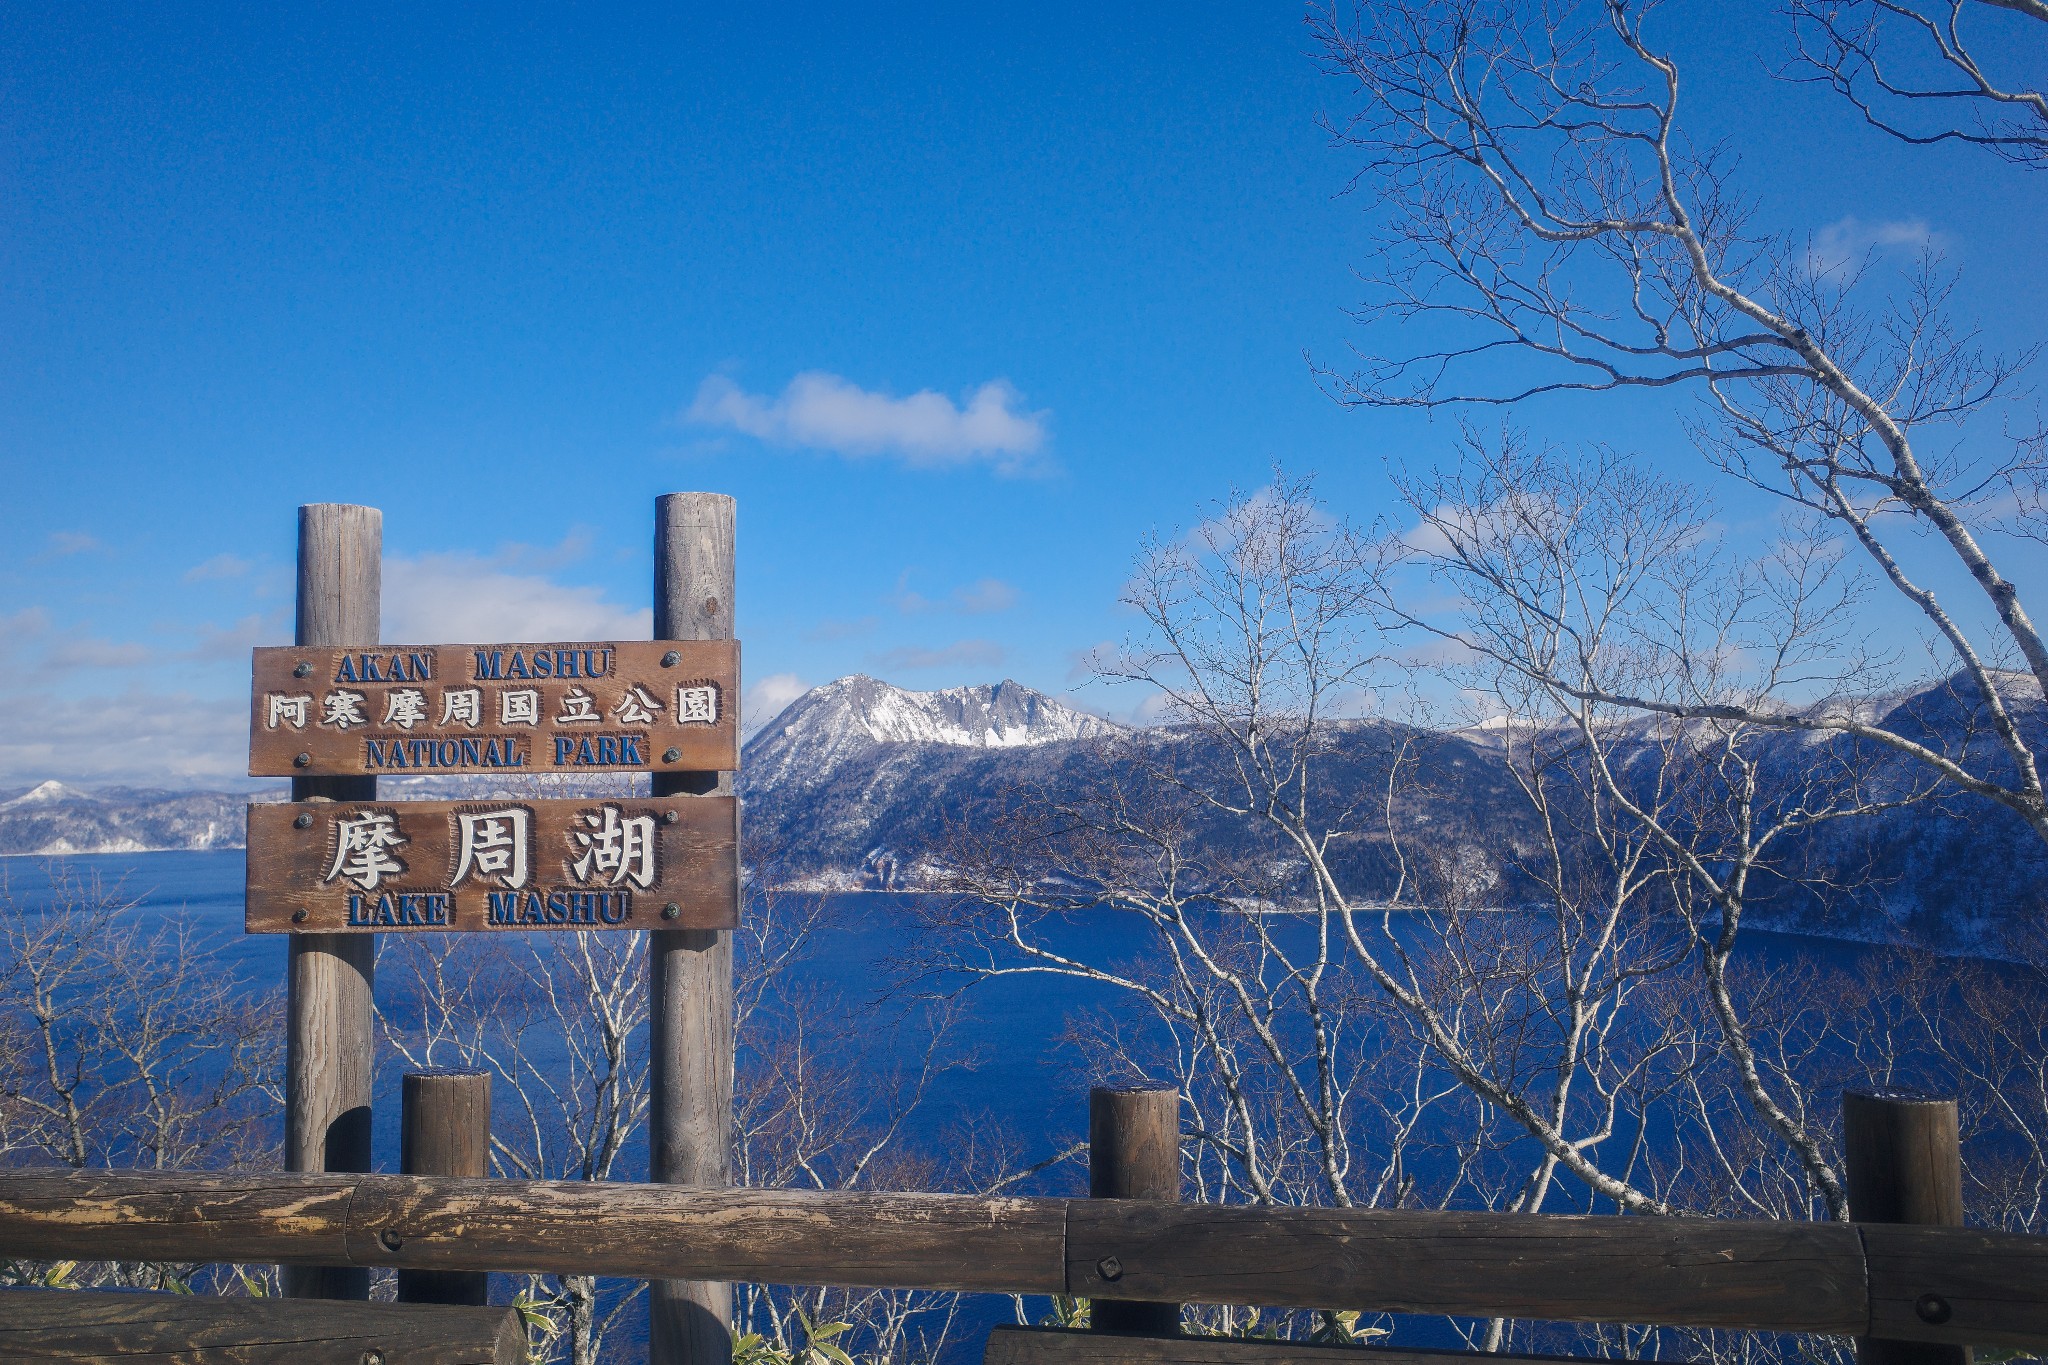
(1017, 1075)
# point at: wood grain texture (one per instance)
(695, 868)
(444, 1128)
(1745, 1275)
(1067, 1346)
(330, 1026)
(1134, 1153)
(1992, 1287)
(94, 1215)
(341, 574)
(1803, 1277)
(1903, 1155)
(181, 1329)
(689, 971)
(288, 708)
(675, 1232)
(1903, 1158)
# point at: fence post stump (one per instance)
(1904, 1157)
(1134, 1153)
(689, 972)
(445, 1129)
(329, 1038)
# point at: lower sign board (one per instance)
(604, 863)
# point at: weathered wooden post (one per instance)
(1905, 1165)
(1133, 1153)
(445, 1129)
(689, 971)
(329, 1042)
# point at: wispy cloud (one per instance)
(961, 654)
(984, 596)
(765, 699)
(32, 647)
(927, 429)
(73, 543)
(162, 736)
(235, 642)
(220, 566)
(458, 597)
(829, 630)
(979, 598)
(1849, 242)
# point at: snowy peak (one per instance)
(1004, 715)
(853, 714)
(47, 794)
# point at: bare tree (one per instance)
(123, 1043)
(1541, 207)
(558, 1020)
(1908, 67)
(1376, 986)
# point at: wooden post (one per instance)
(329, 1043)
(689, 972)
(1905, 1165)
(445, 1129)
(1134, 1153)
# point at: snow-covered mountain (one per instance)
(862, 784)
(842, 720)
(47, 794)
(52, 819)
(852, 785)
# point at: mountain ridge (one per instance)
(859, 784)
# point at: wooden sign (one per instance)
(602, 863)
(652, 706)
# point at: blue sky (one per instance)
(508, 275)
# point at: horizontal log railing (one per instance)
(1934, 1284)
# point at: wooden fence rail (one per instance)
(1909, 1283)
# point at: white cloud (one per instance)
(458, 598)
(829, 629)
(1849, 242)
(72, 543)
(928, 430)
(33, 649)
(765, 699)
(986, 595)
(963, 653)
(168, 737)
(220, 566)
(978, 598)
(235, 642)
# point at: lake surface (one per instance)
(1016, 1074)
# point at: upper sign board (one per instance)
(420, 710)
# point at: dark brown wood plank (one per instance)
(1067, 1346)
(96, 1325)
(1802, 1277)
(1902, 1157)
(175, 1216)
(1992, 1287)
(312, 710)
(444, 1127)
(932, 1241)
(1956, 1284)
(304, 876)
(1134, 1153)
